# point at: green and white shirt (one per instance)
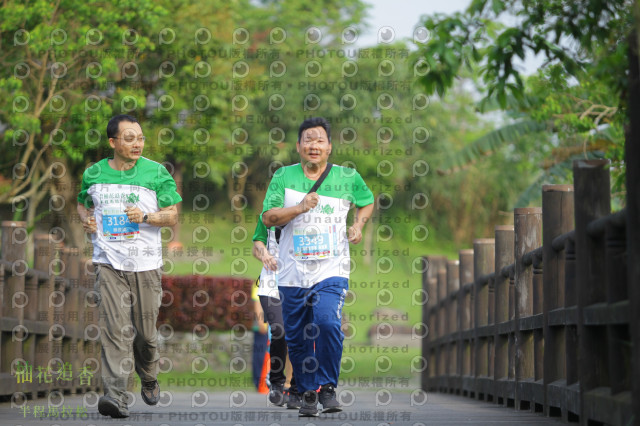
(118, 242)
(314, 245)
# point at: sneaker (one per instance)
(108, 406)
(294, 399)
(150, 392)
(276, 395)
(327, 398)
(309, 406)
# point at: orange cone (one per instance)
(266, 366)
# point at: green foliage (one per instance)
(585, 120)
(577, 96)
(557, 124)
(61, 69)
(568, 36)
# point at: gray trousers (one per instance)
(129, 303)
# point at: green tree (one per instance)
(59, 66)
(466, 40)
(293, 71)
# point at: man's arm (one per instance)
(87, 218)
(279, 216)
(166, 216)
(261, 253)
(362, 216)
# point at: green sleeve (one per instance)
(275, 193)
(166, 190)
(83, 196)
(260, 233)
(361, 192)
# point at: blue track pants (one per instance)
(312, 316)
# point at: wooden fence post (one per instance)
(44, 247)
(90, 330)
(453, 285)
(571, 340)
(528, 236)
(620, 354)
(441, 291)
(592, 201)
(72, 343)
(632, 153)
(483, 264)
(557, 219)
(465, 314)
(14, 244)
(442, 369)
(431, 266)
(503, 257)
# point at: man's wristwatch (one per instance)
(145, 218)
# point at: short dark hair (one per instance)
(114, 124)
(312, 122)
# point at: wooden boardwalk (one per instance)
(365, 407)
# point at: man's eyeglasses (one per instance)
(312, 141)
(131, 138)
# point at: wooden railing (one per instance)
(48, 319)
(537, 318)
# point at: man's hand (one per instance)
(87, 219)
(354, 234)
(270, 262)
(134, 214)
(280, 216)
(89, 224)
(262, 254)
(309, 202)
(362, 216)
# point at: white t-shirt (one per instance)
(125, 245)
(314, 245)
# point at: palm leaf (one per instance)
(557, 174)
(490, 143)
(514, 104)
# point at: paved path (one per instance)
(362, 407)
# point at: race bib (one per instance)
(117, 227)
(317, 242)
